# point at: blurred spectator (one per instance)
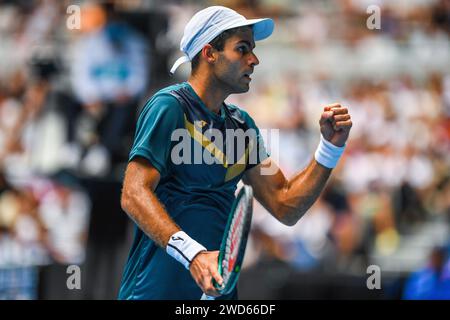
(33, 130)
(24, 237)
(431, 282)
(110, 70)
(65, 211)
(22, 244)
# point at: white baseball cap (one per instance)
(208, 23)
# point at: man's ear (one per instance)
(209, 53)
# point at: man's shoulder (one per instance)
(166, 93)
(169, 89)
(165, 100)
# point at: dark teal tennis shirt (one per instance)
(200, 168)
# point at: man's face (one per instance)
(236, 62)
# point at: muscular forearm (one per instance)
(149, 214)
(301, 191)
(288, 200)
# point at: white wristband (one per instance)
(327, 154)
(183, 248)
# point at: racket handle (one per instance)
(205, 297)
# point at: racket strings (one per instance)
(234, 239)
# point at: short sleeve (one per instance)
(157, 121)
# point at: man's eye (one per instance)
(242, 49)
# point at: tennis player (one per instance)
(180, 208)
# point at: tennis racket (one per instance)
(234, 242)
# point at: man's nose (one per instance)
(253, 60)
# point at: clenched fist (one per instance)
(335, 124)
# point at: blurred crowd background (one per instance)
(70, 95)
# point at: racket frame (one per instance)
(246, 191)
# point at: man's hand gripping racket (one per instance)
(234, 242)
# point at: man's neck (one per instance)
(209, 92)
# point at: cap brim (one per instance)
(262, 28)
